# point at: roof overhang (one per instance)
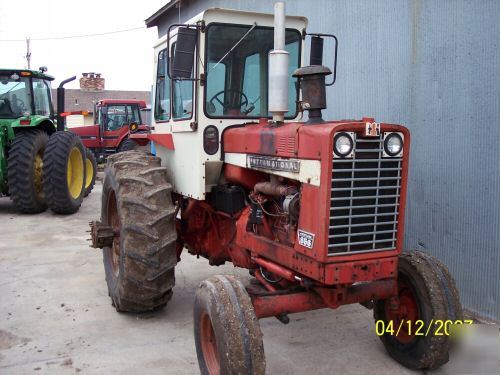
(153, 19)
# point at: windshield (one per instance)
(120, 115)
(14, 96)
(237, 81)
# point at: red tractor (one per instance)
(118, 127)
(313, 209)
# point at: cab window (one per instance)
(133, 114)
(162, 99)
(236, 65)
(182, 90)
(41, 94)
(15, 98)
(116, 117)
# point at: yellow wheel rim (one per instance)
(75, 172)
(89, 172)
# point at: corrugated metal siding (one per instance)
(435, 67)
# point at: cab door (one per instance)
(114, 125)
(183, 102)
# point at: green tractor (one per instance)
(41, 165)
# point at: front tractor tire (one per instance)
(64, 172)
(25, 171)
(428, 294)
(137, 204)
(90, 171)
(226, 330)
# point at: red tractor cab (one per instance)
(118, 126)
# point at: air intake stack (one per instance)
(312, 82)
(278, 67)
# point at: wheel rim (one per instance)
(209, 345)
(114, 222)
(37, 175)
(75, 173)
(89, 173)
(408, 310)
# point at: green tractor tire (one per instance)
(90, 171)
(64, 173)
(24, 171)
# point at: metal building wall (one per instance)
(435, 67)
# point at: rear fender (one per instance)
(141, 138)
(37, 122)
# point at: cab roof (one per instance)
(28, 73)
(103, 102)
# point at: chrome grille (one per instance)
(364, 201)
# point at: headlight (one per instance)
(393, 144)
(342, 144)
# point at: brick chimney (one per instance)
(91, 82)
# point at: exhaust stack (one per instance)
(278, 67)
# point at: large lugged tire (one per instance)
(128, 145)
(137, 203)
(25, 171)
(90, 171)
(226, 330)
(64, 172)
(427, 293)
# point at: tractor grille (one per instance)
(365, 195)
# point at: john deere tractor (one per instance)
(41, 165)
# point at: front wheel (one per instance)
(427, 297)
(226, 330)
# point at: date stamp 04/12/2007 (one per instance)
(420, 328)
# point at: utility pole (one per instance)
(28, 52)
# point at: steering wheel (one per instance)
(225, 107)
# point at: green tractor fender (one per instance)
(33, 122)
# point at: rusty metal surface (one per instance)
(433, 66)
(101, 235)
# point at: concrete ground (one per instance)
(56, 316)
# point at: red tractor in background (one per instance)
(118, 127)
(314, 209)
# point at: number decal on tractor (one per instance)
(306, 239)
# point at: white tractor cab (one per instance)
(224, 57)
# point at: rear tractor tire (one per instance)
(137, 204)
(428, 294)
(90, 171)
(25, 171)
(128, 145)
(64, 172)
(226, 330)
